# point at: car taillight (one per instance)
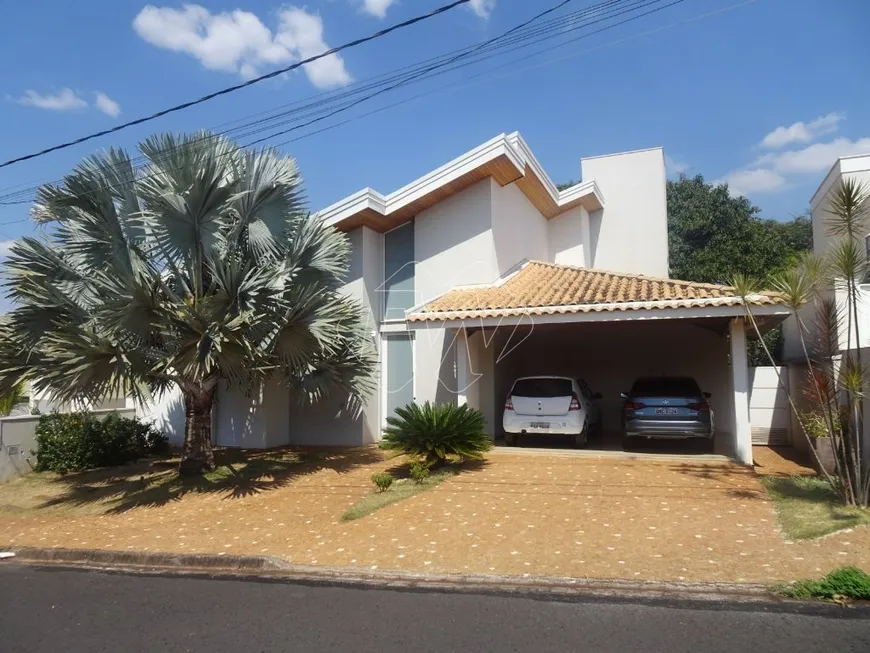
(508, 403)
(575, 402)
(699, 406)
(633, 405)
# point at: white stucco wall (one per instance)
(568, 235)
(260, 421)
(854, 168)
(327, 423)
(631, 233)
(454, 246)
(519, 231)
(166, 413)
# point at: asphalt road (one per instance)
(77, 611)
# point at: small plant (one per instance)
(435, 433)
(383, 481)
(845, 582)
(419, 472)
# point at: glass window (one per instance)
(542, 387)
(666, 387)
(400, 372)
(398, 272)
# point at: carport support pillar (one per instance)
(740, 385)
(462, 376)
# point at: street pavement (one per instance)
(79, 611)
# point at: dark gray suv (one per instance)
(666, 407)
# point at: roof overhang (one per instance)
(772, 315)
(506, 159)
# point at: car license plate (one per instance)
(666, 411)
(540, 425)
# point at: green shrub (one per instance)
(383, 480)
(67, 442)
(419, 472)
(433, 433)
(848, 582)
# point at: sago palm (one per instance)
(200, 268)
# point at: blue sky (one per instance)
(765, 94)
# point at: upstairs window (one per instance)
(399, 267)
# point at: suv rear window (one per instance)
(542, 387)
(667, 387)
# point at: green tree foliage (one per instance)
(73, 442)
(712, 236)
(200, 268)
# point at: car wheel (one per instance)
(629, 443)
(510, 439)
(582, 438)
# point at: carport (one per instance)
(608, 329)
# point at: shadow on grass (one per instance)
(238, 474)
(815, 490)
(809, 507)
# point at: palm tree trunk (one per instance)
(198, 455)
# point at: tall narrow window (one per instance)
(399, 386)
(398, 271)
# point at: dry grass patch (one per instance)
(400, 489)
(808, 507)
(156, 482)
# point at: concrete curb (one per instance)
(277, 570)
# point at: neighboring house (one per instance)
(855, 168)
(482, 271)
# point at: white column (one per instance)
(740, 385)
(463, 379)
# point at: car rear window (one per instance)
(667, 387)
(542, 388)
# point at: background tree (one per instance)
(713, 236)
(202, 268)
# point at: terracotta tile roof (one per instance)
(547, 288)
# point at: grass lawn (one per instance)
(400, 489)
(808, 507)
(156, 482)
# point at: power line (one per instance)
(236, 87)
(409, 74)
(594, 9)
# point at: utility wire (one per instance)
(236, 87)
(411, 71)
(487, 73)
(567, 23)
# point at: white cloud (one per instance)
(756, 180)
(302, 34)
(482, 8)
(817, 157)
(377, 8)
(107, 105)
(780, 170)
(237, 41)
(802, 132)
(64, 100)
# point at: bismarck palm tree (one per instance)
(200, 268)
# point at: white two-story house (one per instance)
(481, 271)
(856, 169)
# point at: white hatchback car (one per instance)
(554, 405)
